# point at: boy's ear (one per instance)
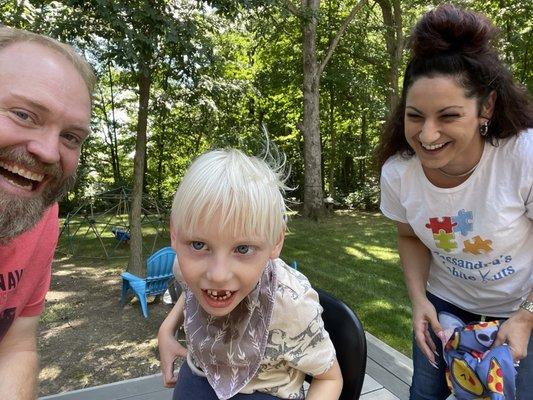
(173, 239)
(276, 250)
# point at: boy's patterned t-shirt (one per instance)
(297, 344)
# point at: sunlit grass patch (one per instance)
(353, 256)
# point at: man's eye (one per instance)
(243, 249)
(72, 139)
(197, 245)
(21, 115)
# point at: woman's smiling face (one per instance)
(442, 124)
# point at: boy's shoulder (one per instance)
(291, 284)
(296, 303)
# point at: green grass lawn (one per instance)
(350, 254)
(353, 256)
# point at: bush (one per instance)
(365, 197)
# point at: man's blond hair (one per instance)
(10, 36)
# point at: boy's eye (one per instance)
(243, 249)
(197, 245)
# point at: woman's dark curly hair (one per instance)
(454, 42)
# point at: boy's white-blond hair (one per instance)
(245, 192)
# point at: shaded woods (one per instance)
(179, 77)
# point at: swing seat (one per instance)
(158, 274)
(121, 235)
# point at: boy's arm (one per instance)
(169, 348)
(326, 386)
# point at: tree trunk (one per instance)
(363, 149)
(333, 141)
(135, 265)
(160, 157)
(111, 132)
(313, 195)
(392, 17)
(117, 176)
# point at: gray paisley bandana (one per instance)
(229, 349)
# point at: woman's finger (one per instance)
(430, 342)
(422, 344)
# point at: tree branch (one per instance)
(292, 8)
(337, 37)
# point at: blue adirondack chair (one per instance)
(158, 274)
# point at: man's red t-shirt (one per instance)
(25, 270)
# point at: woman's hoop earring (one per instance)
(484, 128)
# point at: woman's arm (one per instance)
(326, 386)
(516, 331)
(415, 258)
(169, 347)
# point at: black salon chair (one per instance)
(348, 337)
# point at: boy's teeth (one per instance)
(219, 294)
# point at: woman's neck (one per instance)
(453, 175)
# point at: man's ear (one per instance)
(276, 250)
(487, 108)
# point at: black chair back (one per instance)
(348, 337)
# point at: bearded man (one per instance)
(45, 107)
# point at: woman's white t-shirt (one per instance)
(480, 233)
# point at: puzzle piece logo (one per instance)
(445, 241)
(440, 224)
(463, 222)
(477, 246)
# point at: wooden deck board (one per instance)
(134, 389)
(389, 367)
(388, 378)
(381, 394)
(150, 388)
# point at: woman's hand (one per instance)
(516, 332)
(424, 319)
(169, 351)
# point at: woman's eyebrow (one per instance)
(414, 108)
(445, 108)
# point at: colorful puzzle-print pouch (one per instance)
(474, 369)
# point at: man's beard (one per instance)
(19, 214)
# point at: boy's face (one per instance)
(220, 268)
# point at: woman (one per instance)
(457, 177)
